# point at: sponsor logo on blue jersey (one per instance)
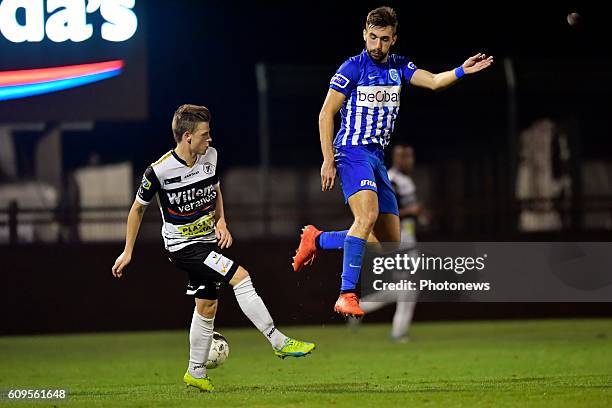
(384, 95)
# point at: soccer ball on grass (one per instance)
(219, 350)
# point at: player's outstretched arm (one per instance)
(224, 237)
(133, 225)
(436, 82)
(331, 106)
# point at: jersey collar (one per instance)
(183, 162)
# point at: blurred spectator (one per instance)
(543, 178)
(410, 211)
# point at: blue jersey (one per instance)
(372, 101)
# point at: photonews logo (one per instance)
(66, 20)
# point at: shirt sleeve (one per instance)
(217, 172)
(149, 186)
(212, 166)
(346, 77)
(408, 69)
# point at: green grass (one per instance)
(519, 363)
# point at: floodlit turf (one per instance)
(518, 363)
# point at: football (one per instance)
(574, 19)
(219, 350)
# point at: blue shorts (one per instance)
(363, 168)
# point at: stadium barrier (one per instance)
(69, 288)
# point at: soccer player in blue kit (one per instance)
(366, 91)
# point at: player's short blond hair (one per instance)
(186, 118)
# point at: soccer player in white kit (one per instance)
(187, 188)
(409, 211)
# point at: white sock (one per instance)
(200, 338)
(373, 302)
(255, 309)
(402, 318)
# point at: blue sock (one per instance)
(331, 240)
(353, 258)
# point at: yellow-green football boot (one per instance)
(294, 348)
(203, 384)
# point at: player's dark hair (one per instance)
(382, 17)
(186, 118)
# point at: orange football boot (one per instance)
(307, 251)
(348, 305)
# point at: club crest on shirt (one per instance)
(393, 74)
(209, 168)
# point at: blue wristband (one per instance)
(459, 72)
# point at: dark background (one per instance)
(204, 52)
(73, 291)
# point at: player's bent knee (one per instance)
(240, 275)
(366, 221)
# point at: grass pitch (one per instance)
(517, 363)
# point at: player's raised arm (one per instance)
(224, 237)
(425, 79)
(133, 225)
(332, 104)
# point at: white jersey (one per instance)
(405, 191)
(186, 195)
